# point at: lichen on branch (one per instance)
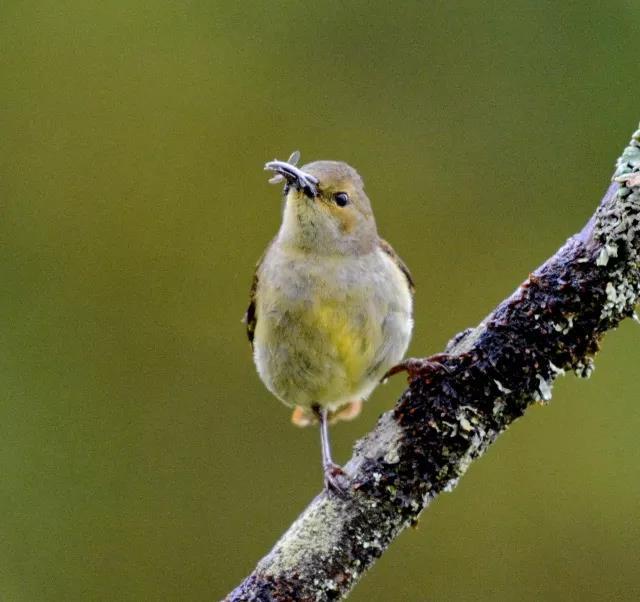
(447, 417)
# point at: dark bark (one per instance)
(448, 417)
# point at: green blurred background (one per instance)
(141, 458)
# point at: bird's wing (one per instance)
(388, 249)
(250, 316)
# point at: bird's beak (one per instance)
(294, 176)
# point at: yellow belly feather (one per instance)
(352, 343)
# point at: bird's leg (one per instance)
(335, 478)
(417, 366)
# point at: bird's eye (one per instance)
(342, 199)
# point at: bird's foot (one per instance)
(417, 367)
(336, 479)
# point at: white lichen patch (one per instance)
(450, 485)
(498, 407)
(502, 388)
(392, 456)
(630, 157)
(544, 388)
(308, 535)
(608, 250)
(618, 228)
(453, 428)
(477, 445)
(468, 421)
(373, 540)
(621, 297)
(621, 291)
(584, 368)
(555, 370)
(473, 430)
(465, 425)
(382, 443)
(564, 327)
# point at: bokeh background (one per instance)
(140, 456)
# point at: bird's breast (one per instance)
(321, 323)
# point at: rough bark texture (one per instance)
(446, 418)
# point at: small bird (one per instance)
(330, 307)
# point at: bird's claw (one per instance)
(419, 367)
(336, 479)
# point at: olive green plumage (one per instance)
(331, 303)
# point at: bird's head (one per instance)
(327, 210)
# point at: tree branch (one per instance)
(446, 419)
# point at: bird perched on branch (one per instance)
(331, 302)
